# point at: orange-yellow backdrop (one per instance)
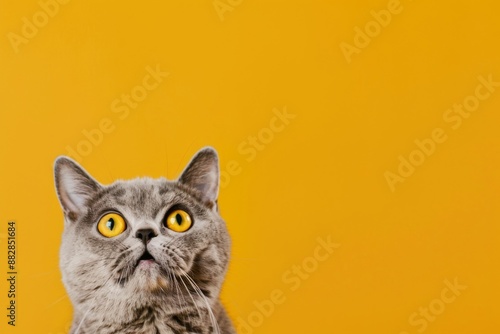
(361, 81)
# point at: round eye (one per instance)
(111, 225)
(179, 221)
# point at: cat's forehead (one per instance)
(142, 196)
(140, 187)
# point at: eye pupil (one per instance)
(178, 218)
(110, 224)
(178, 221)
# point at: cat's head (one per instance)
(145, 238)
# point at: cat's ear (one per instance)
(74, 186)
(202, 174)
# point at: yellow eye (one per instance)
(179, 221)
(111, 225)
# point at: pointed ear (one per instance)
(74, 186)
(202, 174)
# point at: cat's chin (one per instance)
(148, 268)
(150, 277)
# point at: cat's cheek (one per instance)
(154, 248)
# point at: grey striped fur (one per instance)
(108, 292)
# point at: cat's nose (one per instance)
(145, 234)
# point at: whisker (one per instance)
(200, 293)
(56, 301)
(104, 284)
(87, 312)
(195, 305)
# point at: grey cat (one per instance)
(144, 255)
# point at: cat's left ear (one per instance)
(74, 187)
(202, 174)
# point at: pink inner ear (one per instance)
(71, 197)
(208, 185)
(74, 185)
(202, 174)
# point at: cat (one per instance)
(144, 256)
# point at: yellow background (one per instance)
(323, 175)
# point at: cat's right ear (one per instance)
(74, 186)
